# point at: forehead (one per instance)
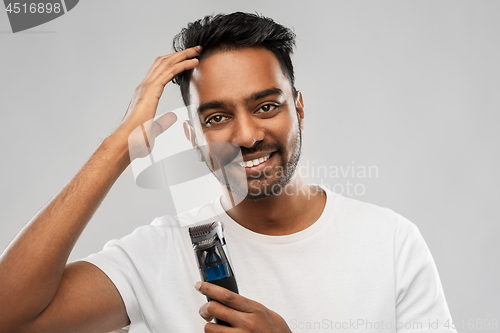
(236, 74)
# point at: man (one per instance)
(305, 258)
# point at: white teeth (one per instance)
(257, 161)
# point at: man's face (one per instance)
(243, 97)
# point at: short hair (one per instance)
(225, 32)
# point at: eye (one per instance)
(268, 107)
(217, 119)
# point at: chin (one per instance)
(258, 190)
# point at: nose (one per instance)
(247, 131)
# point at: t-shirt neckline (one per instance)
(234, 227)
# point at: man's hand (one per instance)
(138, 126)
(243, 314)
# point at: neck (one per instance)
(294, 209)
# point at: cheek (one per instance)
(287, 129)
(216, 136)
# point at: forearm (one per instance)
(32, 265)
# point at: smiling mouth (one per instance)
(255, 162)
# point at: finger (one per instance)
(183, 55)
(227, 297)
(148, 95)
(187, 53)
(222, 312)
(153, 128)
(169, 73)
(171, 60)
(154, 88)
(153, 67)
(214, 328)
(204, 312)
(164, 122)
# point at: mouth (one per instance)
(255, 162)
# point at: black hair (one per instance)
(224, 32)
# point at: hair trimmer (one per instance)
(213, 259)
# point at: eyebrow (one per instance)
(211, 105)
(264, 93)
(217, 104)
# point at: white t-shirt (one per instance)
(358, 268)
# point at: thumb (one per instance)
(164, 122)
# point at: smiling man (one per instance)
(260, 114)
(305, 258)
(243, 96)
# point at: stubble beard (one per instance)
(272, 180)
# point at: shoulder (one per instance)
(360, 216)
(169, 228)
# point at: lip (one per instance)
(256, 156)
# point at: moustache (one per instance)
(224, 153)
(261, 146)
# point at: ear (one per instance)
(299, 106)
(190, 135)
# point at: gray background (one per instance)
(411, 87)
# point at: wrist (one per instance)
(115, 147)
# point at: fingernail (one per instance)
(198, 47)
(197, 286)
